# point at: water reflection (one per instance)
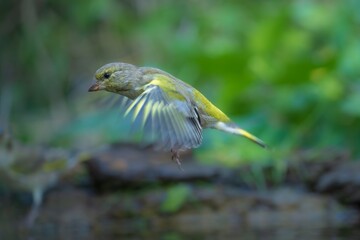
(71, 213)
(80, 231)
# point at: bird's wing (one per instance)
(113, 101)
(174, 123)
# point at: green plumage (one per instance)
(164, 106)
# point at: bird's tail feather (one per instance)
(234, 129)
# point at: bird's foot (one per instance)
(176, 157)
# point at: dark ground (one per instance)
(126, 190)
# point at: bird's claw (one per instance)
(176, 157)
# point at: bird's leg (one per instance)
(34, 212)
(176, 157)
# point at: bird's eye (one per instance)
(106, 75)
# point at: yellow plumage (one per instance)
(167, 107)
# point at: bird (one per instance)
(163, 106)
(33, 168)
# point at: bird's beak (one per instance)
(95, 87)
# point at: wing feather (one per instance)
(178, 128)
(173, 123)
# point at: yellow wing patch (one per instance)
(168, 85)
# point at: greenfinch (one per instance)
(164, 106)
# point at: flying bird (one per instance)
(164, 106)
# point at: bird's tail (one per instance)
(231, 127)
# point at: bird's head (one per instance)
(115, 77)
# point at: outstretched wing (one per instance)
(172, 122)
(105, 101)
(115, 101)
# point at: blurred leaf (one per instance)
(351, 104)
(350, 60)
(315, 15)
(176, 197)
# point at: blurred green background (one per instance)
(287, 71)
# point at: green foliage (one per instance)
(288, 69)
(176, 197)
